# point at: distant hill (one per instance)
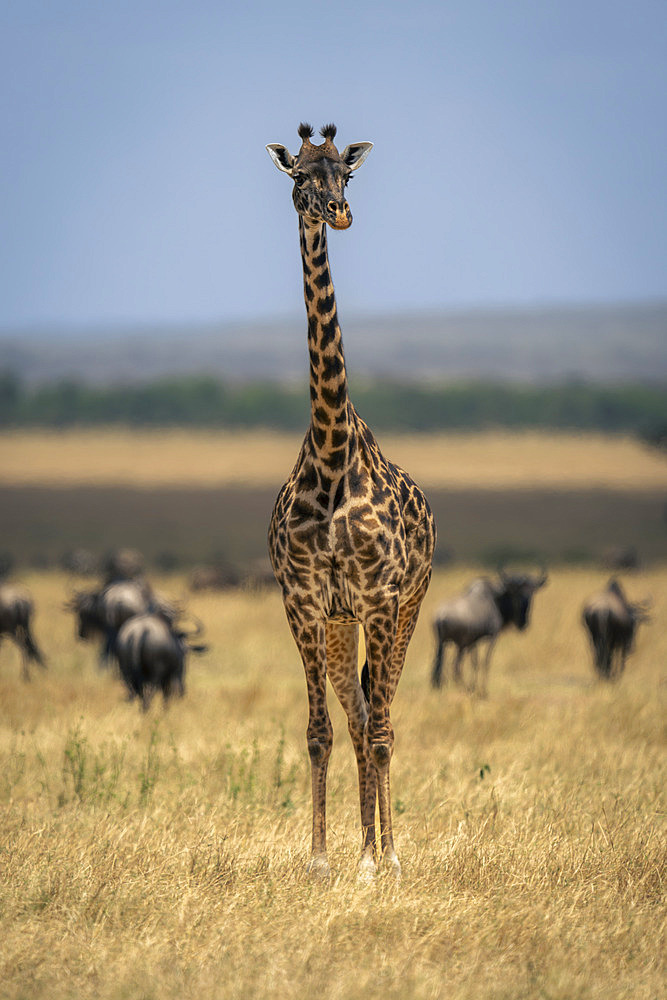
(596, 343)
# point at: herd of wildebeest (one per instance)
(148, 637)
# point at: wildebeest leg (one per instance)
(173, 681)
(25, 661)
(456, 670)
(131, 675)
(436, 673)
(618, 664)
(484, 685)
(167, 691)
(30, 647)
(342, 653)
(18, 638)
(474, 662)
(602, 658)
(107, 648)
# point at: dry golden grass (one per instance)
(163, 856)
(491, 460)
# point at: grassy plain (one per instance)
(186, 497)
(489, 460)
(163, 855)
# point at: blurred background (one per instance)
(502, 291)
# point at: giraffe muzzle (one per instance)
(341, 221)
(340, 216)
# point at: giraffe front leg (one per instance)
(310, 639)
(320, 738)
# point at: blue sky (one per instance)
(520, 155)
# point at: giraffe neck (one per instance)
(329, 400)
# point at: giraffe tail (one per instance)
(366, 681)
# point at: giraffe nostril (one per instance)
(337, 206)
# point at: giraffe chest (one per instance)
(339, 547)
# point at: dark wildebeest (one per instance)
(80, 561)
(611, 621)
(621, 557)
(103, 612)
(482, 612)
(214, 577)
(151, 654)
(123, 564)
(16, 610)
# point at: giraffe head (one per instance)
(320, 174)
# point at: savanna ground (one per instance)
(488, 460)
(163, 855)
(184, 497)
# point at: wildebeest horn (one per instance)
(543, 577)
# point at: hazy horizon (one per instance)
(542, 344)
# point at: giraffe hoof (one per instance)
(318, 868)
(367, 869)
(393, 866)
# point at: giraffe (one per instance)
(351, 536)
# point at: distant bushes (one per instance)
(392, 406)
(477, 405)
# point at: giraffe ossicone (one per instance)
(351, 537)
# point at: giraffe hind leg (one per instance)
(386, 658)
(342, 653)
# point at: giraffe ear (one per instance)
(354, 155)
(281, 156)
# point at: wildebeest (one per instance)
(102, 612)
(611, 621)
(80, 561)
(621, 557)
(214, 577)
(16, 611)
(123, 564)
(151, 655)
(482, 612)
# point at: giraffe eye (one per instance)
(299, 178)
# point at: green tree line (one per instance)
(208, 402)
